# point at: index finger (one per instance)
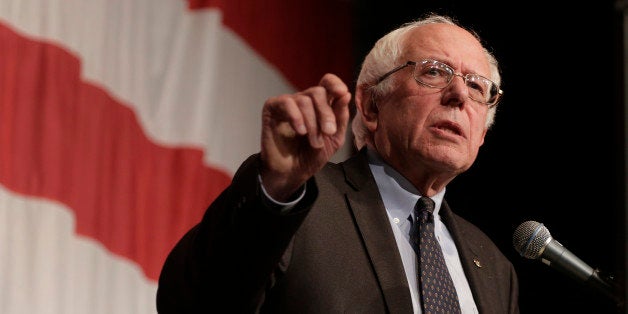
(334, 86)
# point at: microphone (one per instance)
(532, 240)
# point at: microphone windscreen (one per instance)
(530, 238)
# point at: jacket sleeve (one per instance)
(226, 261)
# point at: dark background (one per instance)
(556, 152)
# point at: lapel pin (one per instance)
(477, 263)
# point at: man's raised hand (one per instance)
(300, 133)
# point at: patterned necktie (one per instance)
(438, 294)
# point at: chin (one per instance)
(451, 160)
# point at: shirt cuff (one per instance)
(281, 207)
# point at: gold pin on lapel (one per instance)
(477, 263)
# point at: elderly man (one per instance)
(295, 233)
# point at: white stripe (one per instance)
(46, 268)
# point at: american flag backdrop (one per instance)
(120, 121)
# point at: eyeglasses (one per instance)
(435, 74)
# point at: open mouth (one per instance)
(449, 127)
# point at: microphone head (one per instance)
(530, 238)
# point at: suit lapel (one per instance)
(477, 266)
(374, 226)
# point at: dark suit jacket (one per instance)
(334, 253)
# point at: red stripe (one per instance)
(66, 140)
(304, 39)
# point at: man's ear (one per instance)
(483, 135)
(366, 105)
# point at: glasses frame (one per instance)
(500, 92)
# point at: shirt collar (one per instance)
(398, 194)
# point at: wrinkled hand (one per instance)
(300, 133)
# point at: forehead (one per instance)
(449, 43)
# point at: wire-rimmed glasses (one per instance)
(435, 74)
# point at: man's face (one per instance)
(436, 130)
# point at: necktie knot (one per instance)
(425, 203)
(424, 209)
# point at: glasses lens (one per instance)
(481, 88)
(494, 94)
(433, 73)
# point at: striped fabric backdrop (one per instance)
(121, 120)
